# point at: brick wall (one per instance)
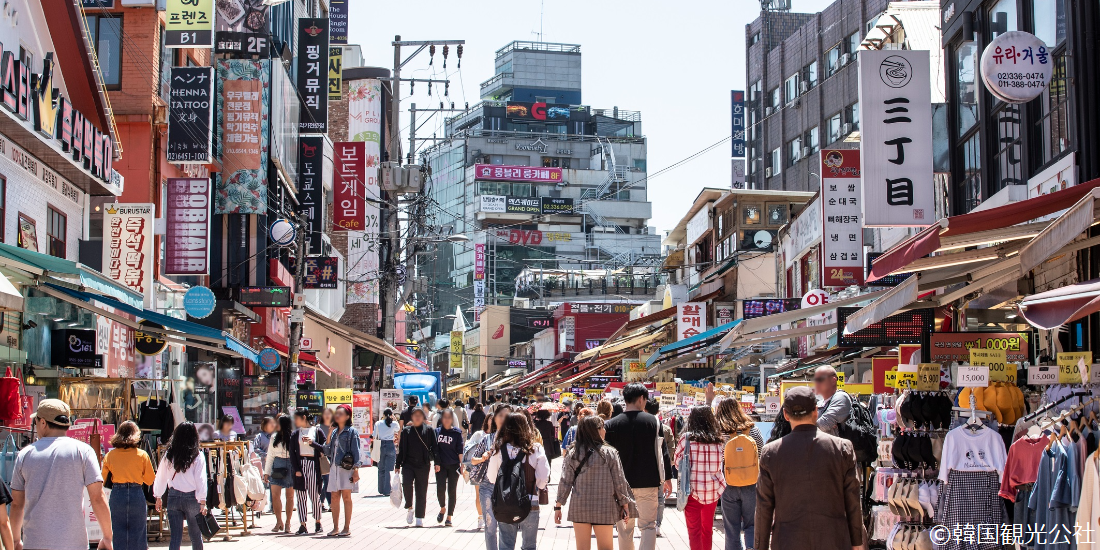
(28, 195)
(140, 61)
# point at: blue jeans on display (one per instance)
(529, 528)
(183, 507)
(739, 510)
(385, 467)
(485, 493)
(128, 512)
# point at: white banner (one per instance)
(895, 104)
(691, 319)
(128, 247)
(365, 124)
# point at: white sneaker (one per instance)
(409, 517)
(419, 522)
(658, 531)
(480, 523)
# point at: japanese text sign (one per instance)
(190, 114)
(842, 227)
(311, 203)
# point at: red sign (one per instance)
(517, 173)
(348, 185)
(842, 219)
(187, 227)
(956, 346)
(879, 367)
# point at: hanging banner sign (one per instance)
(322, 272)
(335, 72)
(187, 227)
(313, 74)
(245, 132)
(311, 194)
(190, 24)
(148, 343)
(242, 27)
(737, 113)
(842, 233)
(338, 21)
(895, 105)
(190, 115)
(349, 172)
(364, 99)
(128, 247)
(456, 349)
(1016, 67)
(690, 320)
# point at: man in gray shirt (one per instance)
(46, 487)
(836, 406)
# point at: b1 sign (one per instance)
(895, 103)
(1016, 67)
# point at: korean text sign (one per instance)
(365, 125)
(895, 102)
(190, 24)
(128, 247)
(842, 229)
(313, 74)
(347, 184)
(311, 205)
(691, 319)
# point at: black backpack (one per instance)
(511, 501)
(860, 430)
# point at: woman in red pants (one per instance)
(707, 479)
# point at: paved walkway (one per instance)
(376, 525)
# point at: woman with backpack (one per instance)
(416, 451)
(703, 446)
(519, 471)
(742, 467)
(479, 467)
(591, 471)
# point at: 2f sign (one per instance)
(257, 44)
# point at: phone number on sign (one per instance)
(1021, 84)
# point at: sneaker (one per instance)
(658, 531)
(409, 517)
(302, 530)
(317, 527)
(419, 522)
(480, 523)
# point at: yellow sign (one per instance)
(788, 384)
(840, 379)
(907, 376)
(338, 396)
(1069, 366)
(567, 396)
(928, 377)
(593, 395)
(335, 72)
(996, 360)
(700, 398)
(748, 389)
(892, 378)
(456, 349)
(666, 388)
(633, 365)
(190, 23)
(860, 389)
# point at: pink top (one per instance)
(1022, 466)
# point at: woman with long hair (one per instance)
(704, 446)
(591, 471)
(738, 503)
(384, 432)
(327, 425)
(182, 473)
(605, 409)
(416, 450)
(478, 473)
(128, 468)
(517, 436)
(343, 476)
(448, 463)
(279, 472)
(477, 417)
(305, 452)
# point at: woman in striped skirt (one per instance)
(305, 453)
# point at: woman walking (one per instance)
(601, 494)
(279, 472)
(448, 439)
(327, 426)
(703, 444)
(343, 477)
(384, 432)
(128, 467)
(549, 435)
(182, 473)
(260, 444)
(305, 455)
(738, 502)
(516, 436)
(478, 474)
(416, 450)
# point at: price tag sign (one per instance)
(1073, 366)
(996, 360)
(1094, 373)
(1042, 375)
(972, 377)
(907, 376)
(892, 378)
(840, 379)
(688, 401)
(668, 401)
(928, 377)
(772, 404)
(700, 398)
(750, 389)
(667, 388)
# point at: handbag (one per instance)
(208, 525)
(347, 462)
(376, 450)
(326, 465)
(280, 473)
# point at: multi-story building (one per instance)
(536, 181)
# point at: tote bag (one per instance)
(11, 406)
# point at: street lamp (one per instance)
(460, 238)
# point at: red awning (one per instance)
(540, 374)
(928, 240)
(1054, 308)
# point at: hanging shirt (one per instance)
(1050, 497)
(1022, 465)
(970, 451)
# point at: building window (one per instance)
(1002, 18)
(555, 162)
(811, 74)
(776, 98)
(776, 161)
(969, 190)
(851, 113)
(106, 36)
(523, 190)
(1007, 166)
(966, 89)
(166, 55)
(639, 165)
(832, 61)
(1049, 17)
(794, 151)
(755, 38)
(1053, 124)
(55, 232)
(494, 188)
(751, 215)
(812, 140)
(833, 125)
(790, 88)
(854, 40)
(754, 91)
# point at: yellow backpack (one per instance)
(742, 467)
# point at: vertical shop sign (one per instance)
(313, 74)
(895, 105)
(479, 280)
(365, 125)
(842, 230)
(338, 21)
(456, 350)
(690, 320)
(190, 24)
(244, 133)
(128, 247)
(187, 227)
(335, 72)
(311, 205)
(190, 114)
(737, 114)
(347, 183)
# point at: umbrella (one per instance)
(547, 406)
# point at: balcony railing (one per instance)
(539, 46)
(498, 78)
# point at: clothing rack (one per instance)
(248, 517)
(1035, 414)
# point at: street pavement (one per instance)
(376, 525)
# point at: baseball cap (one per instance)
(54, 411)
(799, 401)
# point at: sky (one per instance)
(676, 66)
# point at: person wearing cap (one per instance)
(807, 495)
(47, 503)
(836, 406)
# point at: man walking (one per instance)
(807, 494)
(836, 406)
(47, 500)
(635, 435)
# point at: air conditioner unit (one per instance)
(844, 59)
(845, 128)
(768, 111)
(768, 172)
(806, 152)
(804, 87)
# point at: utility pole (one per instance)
(297, 315)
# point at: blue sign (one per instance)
(199, 302)
(737, 112)
(269, 359)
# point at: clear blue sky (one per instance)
(677, 66)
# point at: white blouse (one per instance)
(194, 479)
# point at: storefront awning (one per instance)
(490, 380)
(772, 336)
(302, 356)
(624, 344)
(43, 265)
(504, 381)
(541, 374)
(581, 375)
(678, 348)
(1054, 308)
(631, 326)
(461, 386)
(761, 323)
(177, 330)
(361, 339)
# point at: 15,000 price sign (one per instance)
(997, 361)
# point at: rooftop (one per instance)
(539, 46)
